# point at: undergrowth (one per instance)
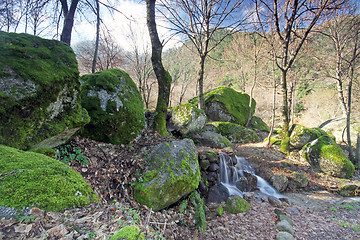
(68, 153)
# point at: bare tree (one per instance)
(68, 12)
(206, 24)
(162, 76)
(286, 26)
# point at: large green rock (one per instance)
(326, 156)
(114, 105)
(301, 135)
(234, 132)
(31, 179)
(173, 173)
(39, 86)
(225, 104)
(128, 233)
(188, 118)
(235, 204)
(257, 123)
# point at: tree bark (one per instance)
(68, 20)
(285, 138)
(162, 76)
(201, 83)
(93, 67)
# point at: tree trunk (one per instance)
(357, 154)
(68, 20)
(162, 76)
(201, 82)
(285, 138)
(93, 67)
(273, 108)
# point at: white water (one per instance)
(232, 168)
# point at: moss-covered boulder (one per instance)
(173, 172)
(225, 104)
(30, 179)
(235, 204)
(39, 86)
(234, 132)
(188, 118)
(350, 190)
(211, 139)
(128, 233)
(257, 123)
(114, 105)
(301, 135)
(326, 156)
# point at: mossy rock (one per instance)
(211, 139)
(188, 118)
(220, 210)
(326, 156)
(273, 141)
(44, 150)
(39, 86)
(30, 179)
(235, 204)
(257, 123)
(173, 173)
(114, 105)
(128, 233)
(234, 132)
(301, 135)
(350, 190)
(225, 104)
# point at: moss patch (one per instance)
(236, 205)
(44, 150)
(257, 123)
(128, 233)
(235, 105)
(33, 180)
(39, 84)
(234, 132)
(114, 105)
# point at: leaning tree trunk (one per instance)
(162, 76)
(68, 20)
(93, 67)
(285, 138)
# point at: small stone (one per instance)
(286, 218)
(23, 228)
(284, 226)
(84, 169)
(58, 231)
(214, 167)
(291, 210)
(249, 196)
(274, 201)
(284, 236)
(37, 212)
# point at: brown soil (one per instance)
(113, 168)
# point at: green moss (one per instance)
(257, 123)
(43, 69)
(33, 180)
(220, 210)
(128, 233)
(234, 132)
(44, 150)
(236, 103)
(236, 205)
(273, 141)
(117, 115)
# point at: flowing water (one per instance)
(233, 168)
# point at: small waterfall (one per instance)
(232, 169)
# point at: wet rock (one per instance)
(242, 183)
(204, 164)
(279, 182)
(212, 177)
(274, 201)
(252, 182)
(218, 193)
(284, 226)
(284, 236)
(211, 156)
(214, 167)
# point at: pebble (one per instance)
(284, 226)
(284, 236)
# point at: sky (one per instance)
(134, 15)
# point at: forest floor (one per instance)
(317, 211)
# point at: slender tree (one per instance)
(286, 25)
(162, 76)
(201, 22)
(68, 12)
(97, 38)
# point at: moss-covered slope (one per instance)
(34, 180)
(39, 86)
(114, 105)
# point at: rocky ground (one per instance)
(317, 212)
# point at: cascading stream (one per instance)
(233, 168)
